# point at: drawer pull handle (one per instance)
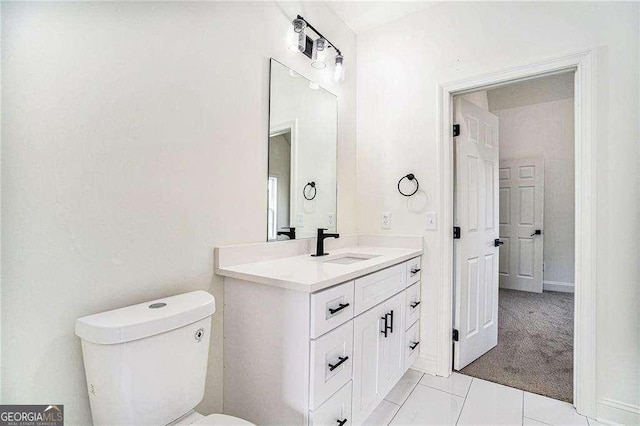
(342, 422)
(341, 360)
(415, 271)
(414, 304)
(340, 307)
(386, 325)
(414, 345)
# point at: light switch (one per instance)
(431, 221)
(300, 220)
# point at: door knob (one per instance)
(537, 232)
(497, 242)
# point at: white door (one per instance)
(476, 213)
(378, 355)
(521, 219)
(367, 354)
(392, 360)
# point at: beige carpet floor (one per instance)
(535, 345)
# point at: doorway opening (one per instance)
(586, 174)
(279, 190)
(514, 263)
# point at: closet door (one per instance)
(392, 357)
(367, 351)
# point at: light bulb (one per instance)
(338, 70)
(298, 27)
(292, 39)
(319, 53)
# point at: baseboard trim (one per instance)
(427, 364)
(558, 286)
(616, 412)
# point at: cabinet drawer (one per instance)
(331, 363)
(413, 304)
(375, 288)
(335, 410)
(412, 345)
(330, 308)
(413, 270)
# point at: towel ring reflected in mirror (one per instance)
(312, 186)
(409, 177)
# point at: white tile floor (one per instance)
(421, 399)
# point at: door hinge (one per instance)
(455, 335)
(456, 232)
(456, 130)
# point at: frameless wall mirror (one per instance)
(303, 125)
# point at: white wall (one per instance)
(134, 140)
(399, 67)
(545, 130)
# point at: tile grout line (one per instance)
(522, 420)
(405, 400)
(465, 400)
(440, 390)
(529, 418)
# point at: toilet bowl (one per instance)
(146, 364)
(195, 418)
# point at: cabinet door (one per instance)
(392, 358)
(367, 351)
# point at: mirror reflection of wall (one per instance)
(279, 181)
(302, 149)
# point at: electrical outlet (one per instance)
(386, 220)
(331, 219)
(300, 220)
(431, 221)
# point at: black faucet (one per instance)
(320, 244)
(291, 233)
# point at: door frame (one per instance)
(584, 357)
(290, 127)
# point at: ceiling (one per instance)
(362, 16)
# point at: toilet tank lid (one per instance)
(146, 319)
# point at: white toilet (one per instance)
(146, 364)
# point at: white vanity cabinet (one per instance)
(319, 358)
(379, 338)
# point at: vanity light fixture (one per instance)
(338, 69)
(319, 53)
(297, 38)
(316, 50)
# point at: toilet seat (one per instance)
(222, 420)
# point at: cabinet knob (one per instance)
(415, 271)
(342, 422)
(414, 304)
(413, 345)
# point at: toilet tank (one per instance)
(146, 364)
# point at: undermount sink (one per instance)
(348, 258)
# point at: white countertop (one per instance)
(311, 274)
